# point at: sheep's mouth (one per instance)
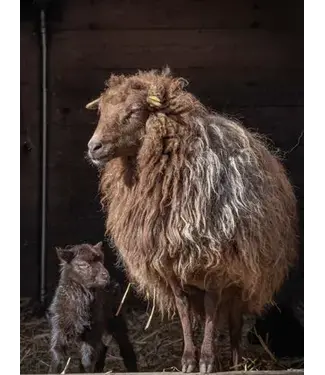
(99, 161)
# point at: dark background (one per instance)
(241, 57)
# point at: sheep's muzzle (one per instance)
(98, 152)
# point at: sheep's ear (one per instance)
(65, 255)
(115, 80)
(93, 105)
(166, 71)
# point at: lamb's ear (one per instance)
(65, 255)
(99, 246)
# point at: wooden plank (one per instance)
(282, 125)
(275, 372)
(29, 55)
(178, 48)
(29, 161)
(224, 87)
(180, 14)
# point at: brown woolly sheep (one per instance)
(202, 213)
(83, 311)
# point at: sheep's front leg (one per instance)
(183, 308)
(207, 357)
(235, 330)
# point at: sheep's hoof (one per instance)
(207, 362)
(188, 362)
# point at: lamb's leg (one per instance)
(101, 356)
(207, 358)
(118, 330)
(88, 357)
(58, 351)
(235, 330)
(183, 307)
(57, 360)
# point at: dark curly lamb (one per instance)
(201, 211)
(83, 311)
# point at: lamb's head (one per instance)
(125, 108)
(84, 264)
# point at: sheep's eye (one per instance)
(127, 117)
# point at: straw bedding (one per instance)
(159, 348)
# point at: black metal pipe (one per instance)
(43, 30)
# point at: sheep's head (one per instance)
(124, 109)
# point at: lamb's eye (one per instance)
(83, 266)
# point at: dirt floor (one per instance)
(158, 348)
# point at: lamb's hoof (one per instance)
(236, 358)
(207, 363)
(188, 362)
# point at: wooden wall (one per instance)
(241, 57)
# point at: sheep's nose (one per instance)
(95, 146)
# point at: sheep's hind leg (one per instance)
(207, 357)
(183, 308)
(235, 331)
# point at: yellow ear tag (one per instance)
(154, 101)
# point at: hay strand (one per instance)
(123, 299)
(152, 311)
(157, 350)
(66, 366)
(265, 347)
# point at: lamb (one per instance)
(83, 311)
(201, 211)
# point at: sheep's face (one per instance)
(120, 127)
(84, 264)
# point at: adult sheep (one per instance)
(203, 215)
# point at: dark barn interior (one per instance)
(244, 58)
